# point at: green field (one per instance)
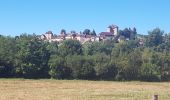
(22, 89)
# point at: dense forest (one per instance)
(27, 56)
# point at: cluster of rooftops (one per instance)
(111, 33)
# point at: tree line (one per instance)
(27, 56)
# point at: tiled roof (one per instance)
(106, 33)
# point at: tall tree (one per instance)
(93, 33)
(7, 56)
(86, 32)
(154, 38)
(33, 56)
(63, 32)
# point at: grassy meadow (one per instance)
(25, 89)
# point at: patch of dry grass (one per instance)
(22, 89)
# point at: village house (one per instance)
(112, 32)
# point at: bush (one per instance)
(165, 76)
(5, 71)
(81, 66)
(87, 71)
(32, 71)
(60, 72)
(149, 72)
(106, 72)
(104, 68)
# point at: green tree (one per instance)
(127, 60)
(33, 56)
(154, 38)
(149, 69)
(82, 66)
(86, 32)
(7, 56)
(93, 33)
(70, 47)
(149, 72)
(132, 70)
(104, 68)
(163, 63)
(58, 68)
(98, 47)
(63, 32)
(128, 33)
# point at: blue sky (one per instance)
(39, 16)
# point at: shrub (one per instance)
(149, 72)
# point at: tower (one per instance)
(113, 29)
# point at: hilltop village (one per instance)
(112, 55)
(112, 33)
